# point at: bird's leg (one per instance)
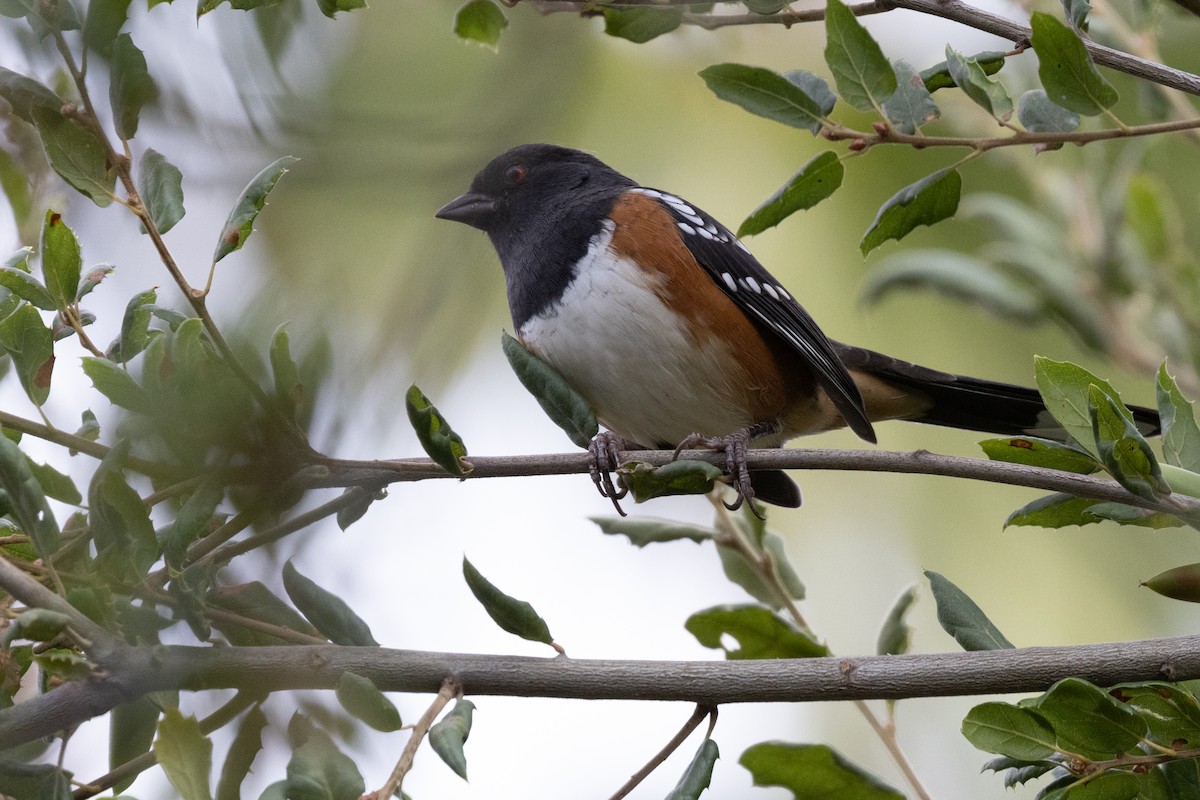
(734, 446)
(605, 451)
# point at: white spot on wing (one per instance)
(770, 290)
(725, 276)
(683, 226)
(753, 284)
(647, 192)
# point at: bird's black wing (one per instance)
(738, 273)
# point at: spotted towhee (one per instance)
(677, 336)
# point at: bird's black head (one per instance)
(540, 204)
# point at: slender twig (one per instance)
(79, 444)
(450, 689)
(670, 747)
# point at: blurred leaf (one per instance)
(61, 262)
(765, 6)
(480, 21)
(448, 735)
(116, 384)
(816, 87)
(36, 625)
(30, 344)
(77, 154)
(126, 544)
(1077, 12)
(816, 180)
(960, 617)
(289, 389)
(765, 93)
(437, 438)
(244, 748)
(954, 274)
(1009, 730)
(326, 611)
(759, 632)
(1146, 215)
(25, 95)
(131, 733)
(319, 771)
(26, 499)
(26, 287)
(105, 18)
(682, 477)
(1037, 452)
(353, 513)
(1180, 434)
(1133, 515)
(863, 76)
(1087, 721)
(896, 635)
(640, 25)
(1123, 450)
(240, 223)
(1178, 583)
(698, 775)
(749, 577)
(89, 427)
(192, 520)
(928, 201)
(92, 279)
(55, 484)
(135, 328)
(331, 7)
(360, 697)
(912, 105)
(1066, 68)
(35, 781)
(642, 531)
(988, 94)
(185, 754)
(1064, 389)
(566, 408)
(63, 664)
(160, 184)
(938, 76)
(130, 86)
(813, 772)
(1039, 114)
(254, 601)
(515, 616)
(15, 186)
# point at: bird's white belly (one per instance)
(625, 351)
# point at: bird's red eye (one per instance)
(515, 174)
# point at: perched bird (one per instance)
(658, 316)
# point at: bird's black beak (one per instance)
(473, 209)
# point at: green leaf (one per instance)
(896, 634)
(957, 275)
(1133, 515)
(1180, 434)
(130, 86)
(26, 287)
(816, 180)
(26, 499)
(14, 184)
(912, 105)
(682, 477)
(1087, 721)
(61, 261)
(77, 154)
(185, 754)
(566, 408)
(131, 733)
(765, 93)
(105, 18)
(749, 577)
(352, 513)
(815, 87)
(928, 201)
(253, 199)
(289, 389)
(1151, 215)
(36, 625)
(1035, 452)
(640, 25)
(1171, 713)
(22, 780)
(1039, 114)
(330, 7)
(760, 633)
(160, 184)
(960, 617)
(448, 735)
(1009, 730)
(1066, 68)
(116, 384)
(255, 601)
(126, 544)
(31, 345)
(480, 21)
(89, 427)
(698, 775)
(813, 772)
(862, 73)
(192, 519)
(63, 664)
(25, 94)
(437, 438)
(1076, 12)
(326, 611)
(93, 278)
(1064, 389)
(938, 76)
(515, 616)
(319, 771)
(642, 531)
(55, 484)
(1054, 511)
(988, 94)
(1178, 583)
(135, 328)
(244, 748)
(1123, 450)
(360, 697)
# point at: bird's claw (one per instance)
(734, 446)
(605, 451)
